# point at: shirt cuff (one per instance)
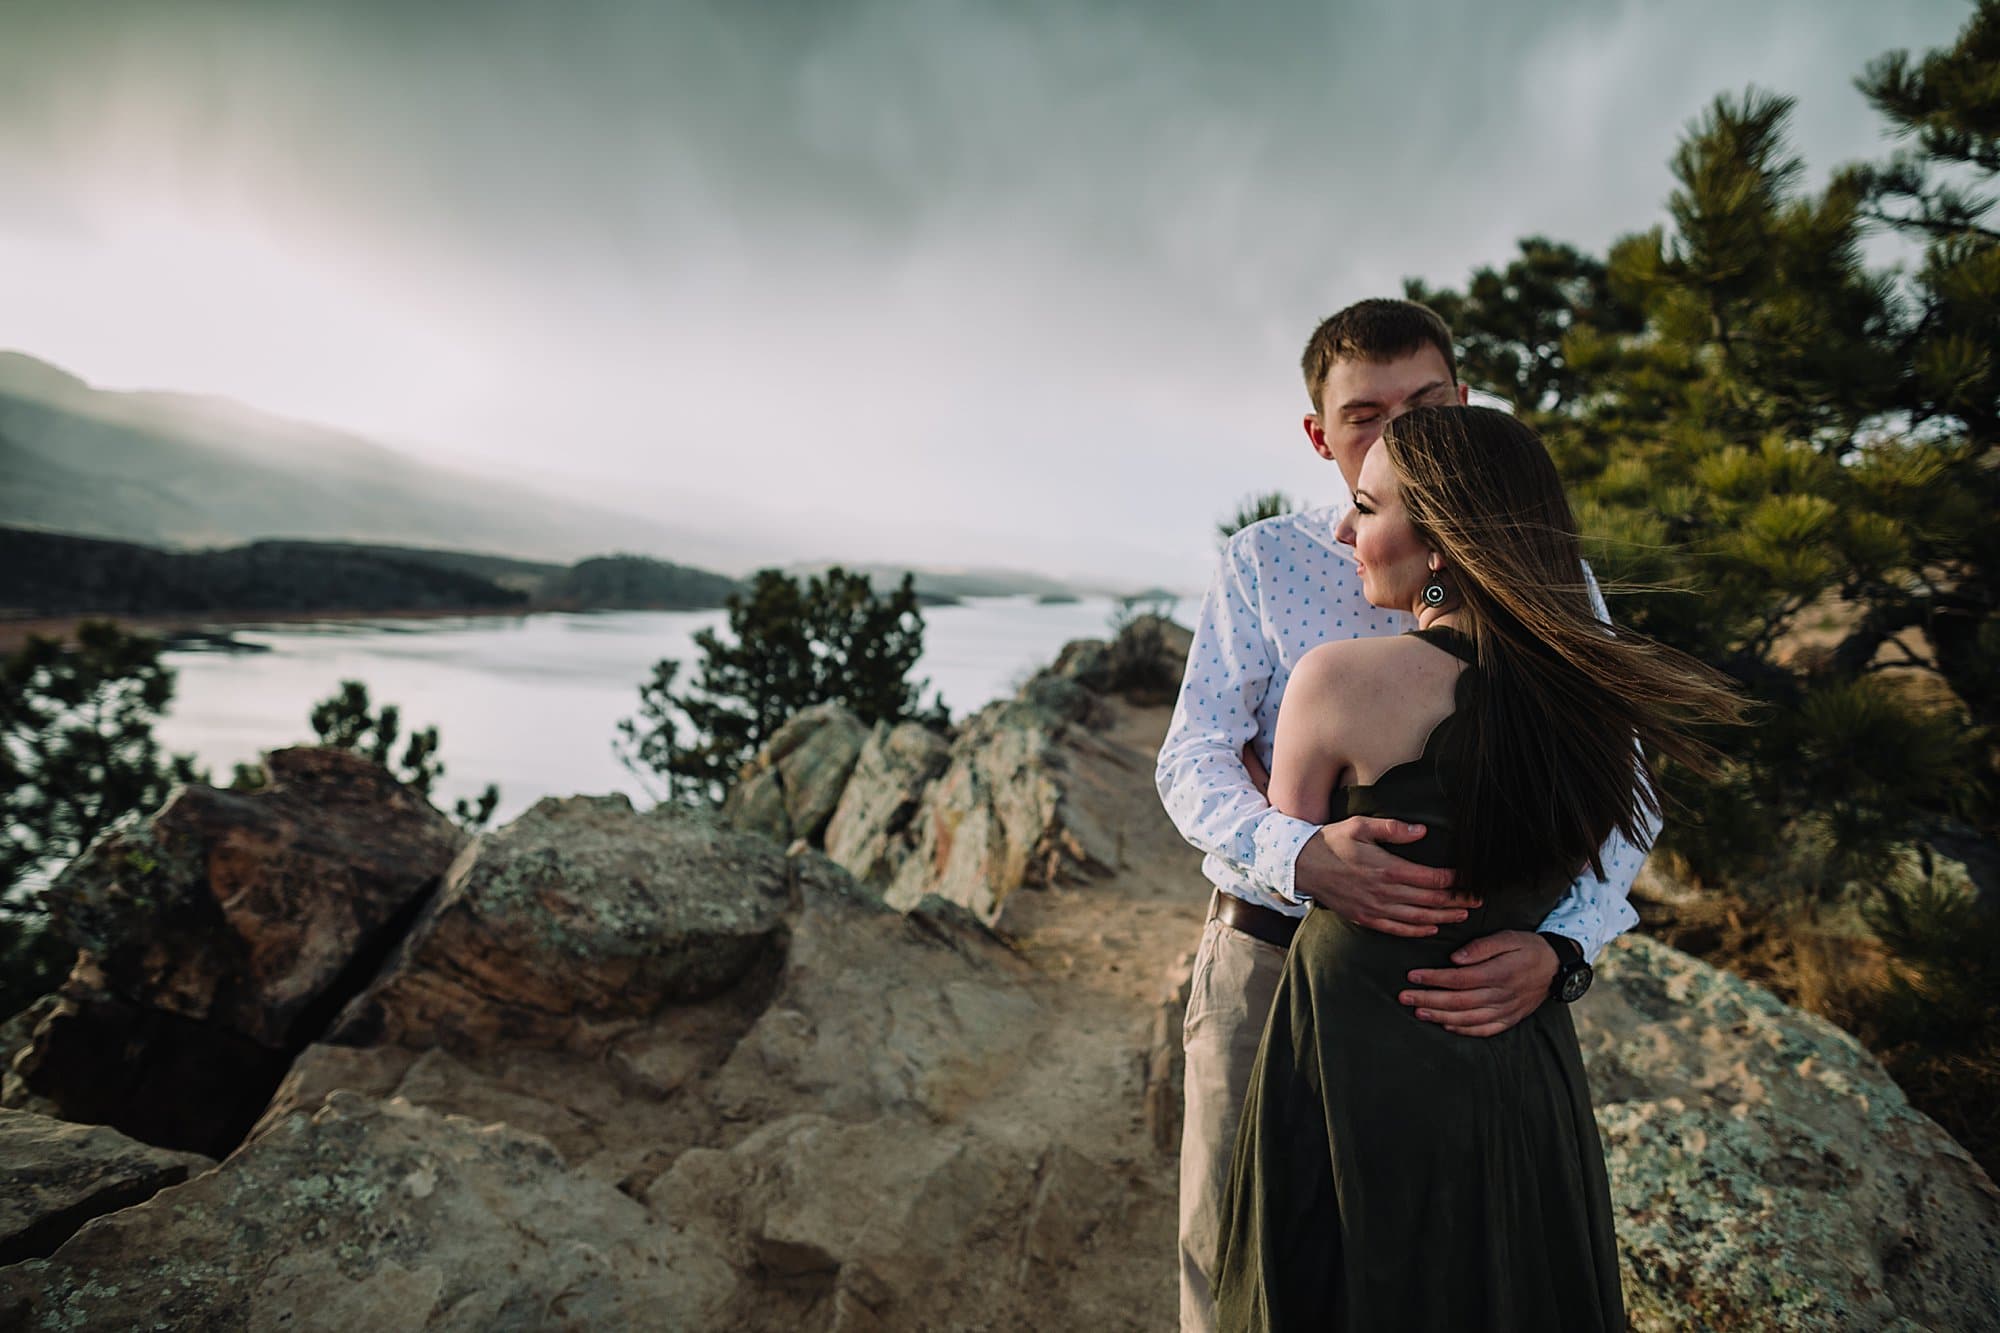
(1278, 840)
(1586, 922)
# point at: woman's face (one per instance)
(1393, 561)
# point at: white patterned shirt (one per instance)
(1283, 587)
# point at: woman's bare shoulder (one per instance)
(1358, 673)
(1351, 658)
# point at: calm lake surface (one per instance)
(533, 702)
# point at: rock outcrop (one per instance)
(1766, 1170)
(870, 832)
(578, 914)
(646, 1070)
(1001, 818)
(858, 1139)
(217, 937)
(792, 786)
(981, 815)
(365, 1214)
(60, 1175)
(1142, 664)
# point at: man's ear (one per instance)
(1317, 434)
(1464, 393)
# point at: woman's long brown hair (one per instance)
(1561, 696)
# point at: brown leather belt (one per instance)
(1272, 927)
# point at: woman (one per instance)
(1389, 1173)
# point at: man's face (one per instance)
(1360, 397)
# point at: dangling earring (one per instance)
(1434, 591)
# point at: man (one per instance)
(1282, 587)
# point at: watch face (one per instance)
(1575, 983)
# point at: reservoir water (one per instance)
(533, 702)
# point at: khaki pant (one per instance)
(1230, 990)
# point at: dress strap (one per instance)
(1454, 641)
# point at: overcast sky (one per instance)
(1013, 283)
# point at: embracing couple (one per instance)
(1409, 744)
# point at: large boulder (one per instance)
(217, 936)
(60, 1175)
(870, 832)
(789, 790)
(890, 1132)
(580, 914)
(1767, 1172)
(377, 1215)
(1004, 816)
(921, 1012)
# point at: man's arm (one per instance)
(1201, 777)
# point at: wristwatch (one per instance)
(1573, 975)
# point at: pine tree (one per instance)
(1735, 399)
(348, 720)
(1792, 461)
(77, 754)
(831, 639)
(1254, 509)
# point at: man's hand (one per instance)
(1345, 869)
(1500, 979)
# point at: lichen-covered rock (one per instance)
(870, 831)
(158, 1077)
(240, 909)
(898, 1224)
(922, 1011)
(580, 913)
(60, 1175)
(218, 935)
(373, 1215)
(893, 1132)
(1001, 816)
(1766, 1171)
(789, 790)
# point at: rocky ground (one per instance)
(892, 1046)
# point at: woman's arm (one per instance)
(1306, 759)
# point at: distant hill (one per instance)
(192, 473)
(53, 574)
(634, 582)
(952, 584)
(181, 471)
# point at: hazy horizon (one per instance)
(968, 285)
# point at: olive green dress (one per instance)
(1390, 1175)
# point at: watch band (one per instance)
(1567, 949)
(1573, 975)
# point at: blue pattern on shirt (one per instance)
(1281, 588)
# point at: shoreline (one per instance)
(14, 633)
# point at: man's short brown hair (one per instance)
(1374, 330)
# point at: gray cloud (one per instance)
(1001, 280)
